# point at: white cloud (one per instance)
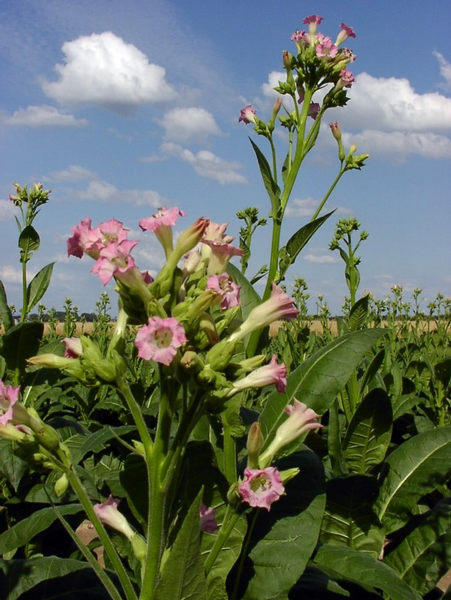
(7, 210)
(302, 207)
(321, 256)
(399, 144)
(445, 69)
(12, 275)
(43, 116)
(72, 173)
(103, 191)
(388, 103)
(103, 70)
(206, 164)
(182, 124)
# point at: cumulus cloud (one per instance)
(400, 144)
(182, 124)
(43, 116)
(321, 256)
(11, 275)
(102, 191)
(206, 164)
(103, 70)
(445, 69)
(72, 173)
(302, 207)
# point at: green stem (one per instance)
(23, 316)
(329, 192)
(230, 518)
(110, 550)
(243, 555)
(229, 456)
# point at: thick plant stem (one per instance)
(230, 518)
(110, 550)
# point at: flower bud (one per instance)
(255, 441)
(61, 485)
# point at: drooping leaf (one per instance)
(318, 380)
(349, 519)
(369, 432)
(18, 576)
(20, 342)
(271, 186)
(297, 242)
(362, 569)
(38, 285)
(6, 317)
(28, 242)
(183, 576)
(415, 468)
(424, 555)
(371, 370)
(285, 538)
(24, 531)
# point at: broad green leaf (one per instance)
(372, 369)
(297, 241)
(315, 584)
(38, 285)
(318, 380)
(21, 533)
(17, 576)
(137, 495)
(12, 467)
(349, 519)
(249, 298)
(404, 403)
(80, 445)
(285, 538)
(364, 570)
(183, 576)
(369, 432)
(358, 314)
(28, 242)
(268, 181)
(424, 555)
(20, 342)
(6, 318)
(415, 468)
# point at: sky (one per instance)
(124, 107)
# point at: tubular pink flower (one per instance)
(345, 33)
(86, 240)
(108, 514)
(346, 78)
(208, 521)
(8, 398)
(326, 49)
(73, 347)
(269, 374)
(279, 306)
(161, 225)
(336, 131)
(247, 114)
(301, 420)
(227, 288)
(313, 20)
(114, 260)
(261, 487)
(301, 37)
(159, 339)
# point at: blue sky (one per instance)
(122, 107)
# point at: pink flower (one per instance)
(336, 131)
(269, 374)
(313, 110)
(326, 49)
(8, 398)
(108, 514)
(313, 20)
(247, 114)
(161, 224)
(221, 249)
(113, 260)
(159, 339)
(301, 420)
(91, 241)
(229, 290)
(207, 519)
(345, 33)
(73, 347)
(261, 487)
(346, 78)
(300, 37)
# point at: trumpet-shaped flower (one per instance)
(159, 339)
(219, 248)
(114, 259)
(325, 48)
(227, 288)
(208, 521)
(345, 33)
(247, 114)
(261, 487)
(91, 241)
(301, 420)
(346, 78)
(73, 347)
(108, 514)
(161, 224)
(8, 398)
(269, 374)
